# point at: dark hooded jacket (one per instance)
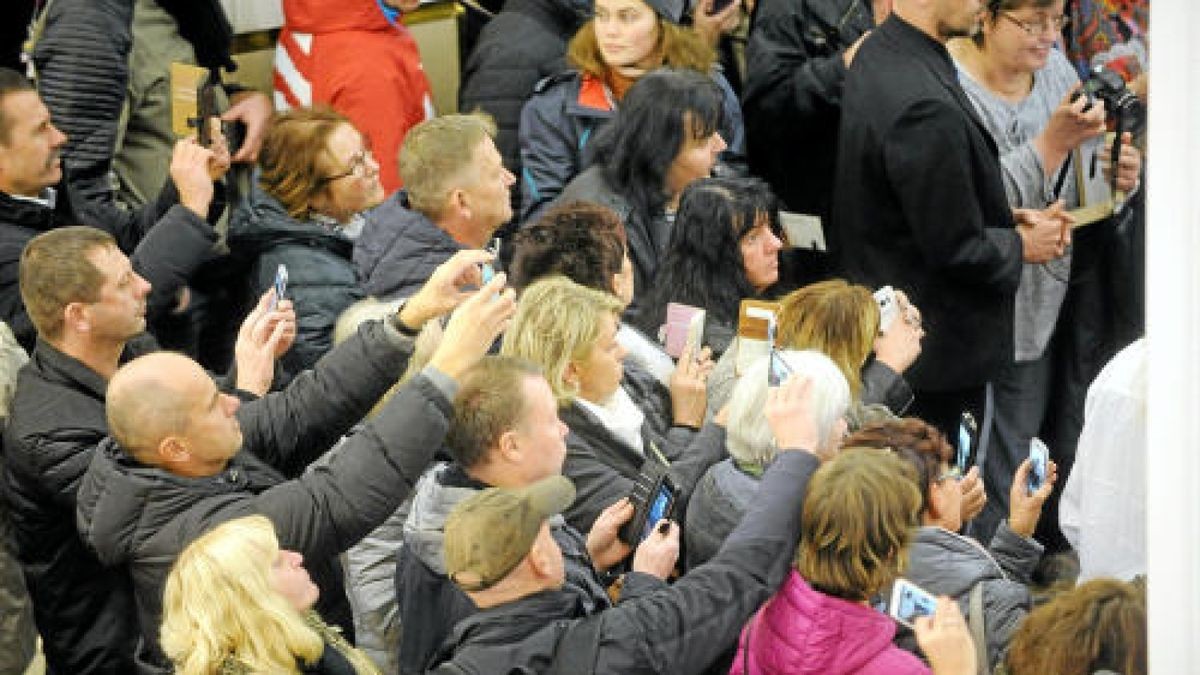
(683, 628)
(524, 43)
(321, 281)
(399, 249)
(429, 603)
(140, 517)
(165, 242)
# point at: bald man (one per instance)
(184, 457)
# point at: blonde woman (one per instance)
(237, 603)
(621, 426)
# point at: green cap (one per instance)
(489, 533)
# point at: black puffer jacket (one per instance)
(140, 518)
(399, 249)
(321, 280)
(793, 95)
(84, 610)
(165, 241)
(524, 43)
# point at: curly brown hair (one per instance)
(1100, 625)
(582, 241)
(915, 441)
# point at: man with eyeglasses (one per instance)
(919, 203)
(456, 195)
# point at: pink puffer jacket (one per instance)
(801, 632)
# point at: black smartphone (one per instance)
(719, 6)
(653, 497)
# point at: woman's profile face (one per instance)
(760, 254)
(600, 372)
(351, 176)
(627, 33)
(291, 580)
(694, 161)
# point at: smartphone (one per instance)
(889, 307)
(1039, 459)
(778, 370)
(661, 507)
(910, 601)
(967, 432)
(281, 281)
(488, 270)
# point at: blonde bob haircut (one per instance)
(436, 155)
(859, 516)
(219, 605)
(295, 161)
(557, 323)
(678, 47)
(833, 317)
(749, 438)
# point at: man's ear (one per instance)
(76, 315)
(509, 448)
(172, 450)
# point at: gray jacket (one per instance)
(142, 517)
(945, 563)
(722, 497)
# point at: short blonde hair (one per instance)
(749, 438)
(834, 317)
(859, 515)
(435, 155)
(557, 323)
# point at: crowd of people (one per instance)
(335, 384)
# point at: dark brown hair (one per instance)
(581, 241)
(10, 82)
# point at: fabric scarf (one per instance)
(621, 416)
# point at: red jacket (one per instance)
(347, 55)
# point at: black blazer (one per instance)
(919, 204)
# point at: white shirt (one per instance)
(621, 416)
(1103, 509)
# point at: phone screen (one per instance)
(281, 281)
(966, 432)
(911, 603)
(658, 510)
(1039, 456)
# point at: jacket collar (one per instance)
(37, 215)
(938, 61)
(60, 368)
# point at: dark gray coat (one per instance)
(684, 628)
(399, 249)
(141, 517)
(604, 468)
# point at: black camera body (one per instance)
(1120, 103)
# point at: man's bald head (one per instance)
(151, 398)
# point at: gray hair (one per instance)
(749, 437)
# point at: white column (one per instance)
(1173, 335)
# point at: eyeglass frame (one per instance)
(357, 167)
(1040, 28)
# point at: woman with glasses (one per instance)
(316, 175)
(1051, 146)
(944, 562)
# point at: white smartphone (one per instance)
(889, 307)
(281, 282)
(910, 601)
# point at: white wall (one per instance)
(1173, 335)
(252, 15)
